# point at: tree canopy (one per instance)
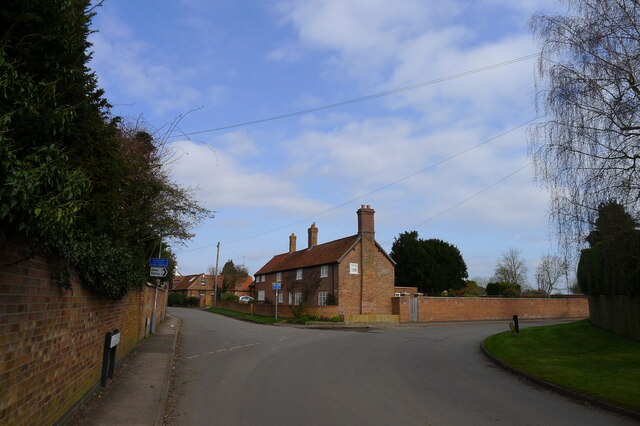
(233, 275)
(586, 148)
(432, 265)
(511, 268)
(76, 182)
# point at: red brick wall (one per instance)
(485, 308)
(51, 339)
(370, 291)
(268, 310)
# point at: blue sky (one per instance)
(219, 63)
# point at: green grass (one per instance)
(253, 318)
(577, 356)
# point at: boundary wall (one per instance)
(432, 309)
(269, 310)
(51, 339)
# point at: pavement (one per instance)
(138, 392)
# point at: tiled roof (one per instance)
(321, 254)
(184, 282)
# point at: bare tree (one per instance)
(511, 268)
(549, 272)
(587, 149)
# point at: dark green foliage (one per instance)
(233, 275)
(75, 184)
(611, 266)
(612, 220)
(228, 296)
(176, 299)
(432, 265)
(181, 300)
(504, 289)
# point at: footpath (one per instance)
(138, 392)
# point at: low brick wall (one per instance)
(268, 310)
(486, 308)
(51, 339)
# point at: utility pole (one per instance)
(215, 291)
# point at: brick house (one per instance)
(353, 272)
(198, 285)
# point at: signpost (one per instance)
(158, 272)
(276, 286)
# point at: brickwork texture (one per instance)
(51, 339)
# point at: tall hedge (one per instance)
(611, 267)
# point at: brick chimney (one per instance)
(366, 228)
(292, 243)
(313, 235)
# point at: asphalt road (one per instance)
(237, 373)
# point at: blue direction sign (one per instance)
(157, 262)
(276, 286)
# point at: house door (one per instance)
(414, 309)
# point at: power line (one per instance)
(361, 99)
(486, 188)
(431, 166)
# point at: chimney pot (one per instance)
(313, 235)
(292, 243)
(365, 222)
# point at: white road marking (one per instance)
(225, 350)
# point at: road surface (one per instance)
(238, 373)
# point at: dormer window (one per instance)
(203, 280)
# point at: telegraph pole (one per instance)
(215, 291)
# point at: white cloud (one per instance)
(223, 182)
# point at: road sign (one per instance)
(276, 286)
(157, 262)
(158, 272)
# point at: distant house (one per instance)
(244, 287)
(198, 285)
(353, 272)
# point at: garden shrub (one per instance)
(229, 296)
(504, 289)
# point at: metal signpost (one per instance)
(276, 286)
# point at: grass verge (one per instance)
(253, 318)
(578, 356)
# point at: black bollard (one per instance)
(515, 324)
(105, 359)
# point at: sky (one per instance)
(448, 158)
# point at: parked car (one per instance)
(245, 299)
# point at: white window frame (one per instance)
(278, 277)
(261, 295)
(297, 298)
(353, 268)
(299, 274)
(290, 298)
(280, 297)
(324, 271)
(323, 297)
